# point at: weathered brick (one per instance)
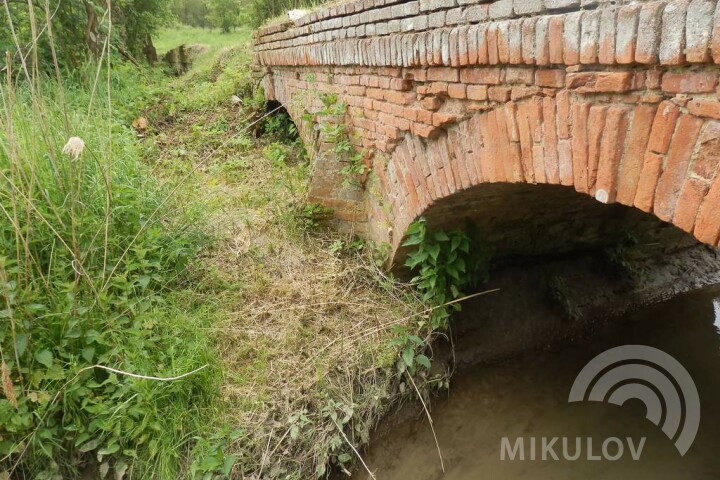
(596, 123)
(703, 108)
(503, 42)
(689, 82)
(431, 103)
(600, 82)
(707, 158)
(676, 165)
(580, 112)
(550, 78)
(672, 39)
(715, 39)
(482, 42)
(487, 75)
(440, 119)
(499, 93)
(515, 42)
(691, 196)
(649, 175)
(519, 75)
(564, 119)
(528, 40)
(606, 37)
(610, 154)
(401, 98)
(442, 74)
(707, 223)
(589, 37)
(627, 20)
(492, 43)
(526, 142)
(663, 127)
(558, 4)
(649, 31)
(456, 90)
(477, 92)
(556, 34)
(698, 29)
(633, 156)
(542, 41)
(550, 145)
(528, 7)
(501, 9)
(571, 38)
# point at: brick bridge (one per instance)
(503, 112)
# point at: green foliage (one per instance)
(313, 214)
(191, 12)
(211, 460)
(445, 267)
(336, 133)
(79, 29)
(92, 253)
(224, 14)
(281, 125)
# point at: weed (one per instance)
(445, 266)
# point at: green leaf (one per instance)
(407, 355)
(412, 240)
(441, 236)
(91, 445)
(88, 354)
(423, 360)
(455, 242)
(434, 250)
(21, 341)
(109, 450)
(44, 357)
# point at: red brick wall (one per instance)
(618, 100)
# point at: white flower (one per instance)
(74, 147)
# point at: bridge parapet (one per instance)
(616, 99)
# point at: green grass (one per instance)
(177, 35)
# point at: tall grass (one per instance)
(94, 257)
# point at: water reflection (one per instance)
(528, 398)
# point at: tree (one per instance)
(224, 14)
(80, 28)
(191, 12)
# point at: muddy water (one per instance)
(528, 398)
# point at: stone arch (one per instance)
(657, 158)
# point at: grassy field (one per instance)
(176, 35)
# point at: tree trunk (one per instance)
(150, 51)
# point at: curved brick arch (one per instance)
(656, 158)
(617, 100)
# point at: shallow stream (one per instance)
(528, 398)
